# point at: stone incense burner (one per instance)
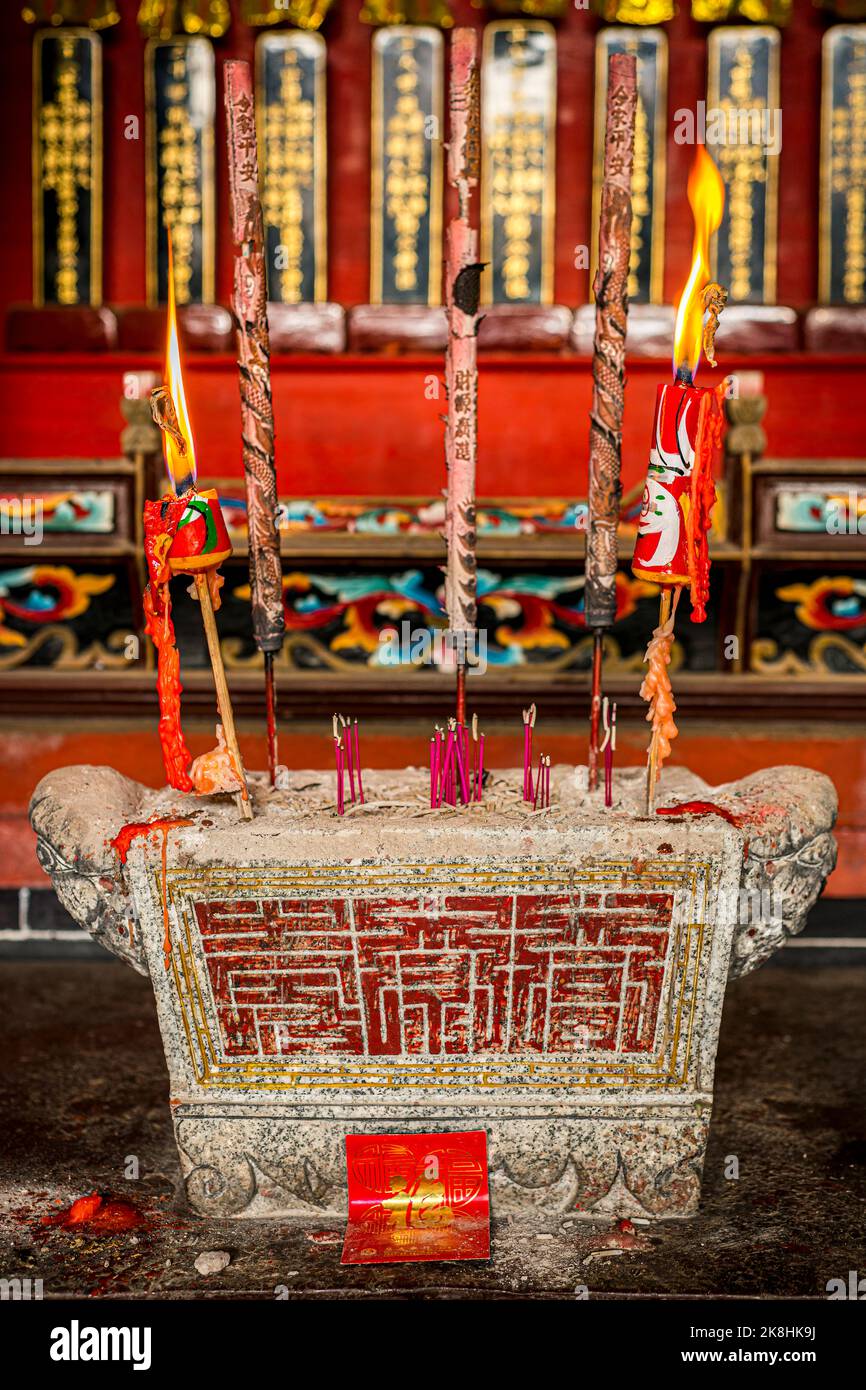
(553, 977)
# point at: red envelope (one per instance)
(417, 1197)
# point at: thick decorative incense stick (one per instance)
(608, 372)
(249, 303)
(462, 287)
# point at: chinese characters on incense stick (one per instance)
(249, 303)
(608, 372)
(462, 289)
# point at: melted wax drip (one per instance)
(161, 520)
(700, 808)
(121, 845)
(97, 1213)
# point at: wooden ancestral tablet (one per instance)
(553, 978)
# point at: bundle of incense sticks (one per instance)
(347, 751)
(528, 726)
(541, 795)
(456, 764)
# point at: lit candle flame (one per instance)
(706, 192)
(179, 461)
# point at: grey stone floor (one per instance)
(84, 1088)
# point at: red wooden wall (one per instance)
(364, 425)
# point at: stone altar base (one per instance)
(553, 977)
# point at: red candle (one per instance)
(671, 547)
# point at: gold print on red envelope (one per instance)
(417, 1197)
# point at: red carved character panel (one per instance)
(439, 975)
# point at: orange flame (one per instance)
(181, 466)
(706, 193)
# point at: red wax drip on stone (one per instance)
(122, 841)
(161, 520)
(121, 844)
(700, 808)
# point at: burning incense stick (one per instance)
(608, 371)
(249, 304)
(462, 289)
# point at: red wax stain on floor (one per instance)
(97, 1213)
(325, 1237)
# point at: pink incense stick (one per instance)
(528, 726)
(480, 782)
(358, 764)
(455, 763)
(538, 783)
(448, 769)
(340, 801)
(609, 746)
(338, 756)
(438, 766)
(461, 767)
(432, 773)
(474, 782)
(349, 759)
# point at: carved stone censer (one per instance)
(553, 977)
